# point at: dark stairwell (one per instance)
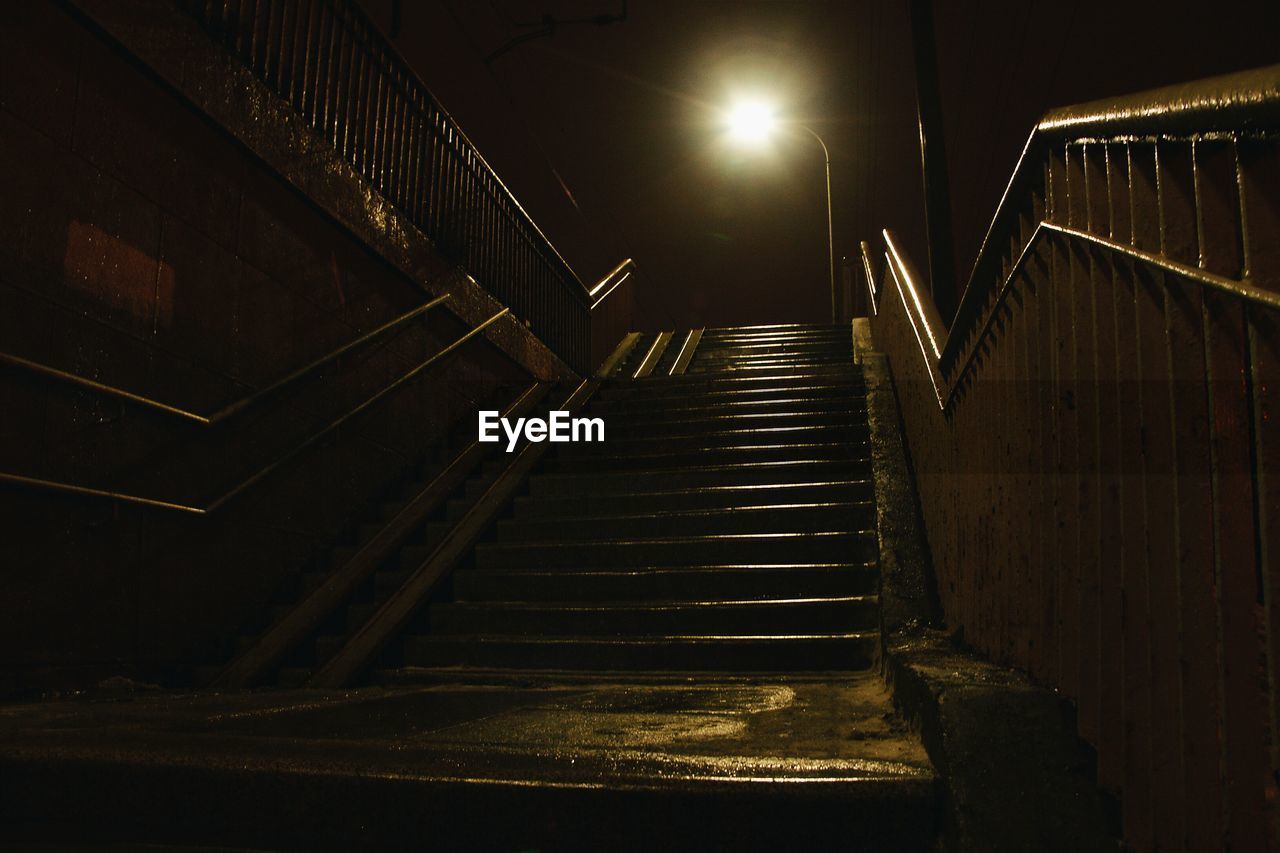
(274, 593)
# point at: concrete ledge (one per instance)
(174, 49)
(1015, 775)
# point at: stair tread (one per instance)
(672, 604)
(693, 567)
(637, 639)
(695, 513)
(699, 537)
(780, 465)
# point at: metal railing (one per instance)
(336, 70)
(230, 409)
(1096, 444)
(266, 470)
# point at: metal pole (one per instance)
(933, 162)
(831, 243)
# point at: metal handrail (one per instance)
(330, 63)
(232, 408)
(925, 323)
(928, 326)
(1242, 102)
(222, 500)
(868, 272)
(610, 282)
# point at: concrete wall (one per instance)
(144, 247)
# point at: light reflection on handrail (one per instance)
(232, 408)
(139, 500)
(924, 307)
(905, 282)
(867, 271)
(612, 279)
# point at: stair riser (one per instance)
(770, 655)
(621, 402)
(729, 456)
(789, 355)
(792, 345)
(642, 395)
(693, 478)
(605, 621)
(771, 520)
(546, 507)
(746, 368)
(836, 369)
(796, 333)
(635, 428)
(641, 445)
(842, 413)
(729, 357)
(799, 549)
(800, 401)
(668, 585)
(849, 373)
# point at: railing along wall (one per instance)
(1097, 448)
(329, 61)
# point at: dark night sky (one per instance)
(628, 118)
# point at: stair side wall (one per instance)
(146, 247)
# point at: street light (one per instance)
(752, 122)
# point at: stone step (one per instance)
(792, 653)
(636, 427)
(804, 344)
(771, 348)
(767, 519)
(718, 497)
(666, 583)
(656, 618)
(727, 401)
(788, 352)
(804, 471)
(727, 438)
(748, 378)
(748, 455)
(638, 394)
(832, 369)
(795, 548)
(795, 329)
(772, 413)
(811, 366)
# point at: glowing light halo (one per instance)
(751, 121)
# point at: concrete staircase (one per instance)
(725, 523)
(661, 641)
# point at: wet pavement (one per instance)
(774, 739)
(713, 727)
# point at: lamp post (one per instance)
(752, 121)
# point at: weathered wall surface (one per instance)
(143, 247)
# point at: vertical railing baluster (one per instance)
(1236, 570)
(289, 30)
(1258, 183)
(1114, 396)
(332, 65)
